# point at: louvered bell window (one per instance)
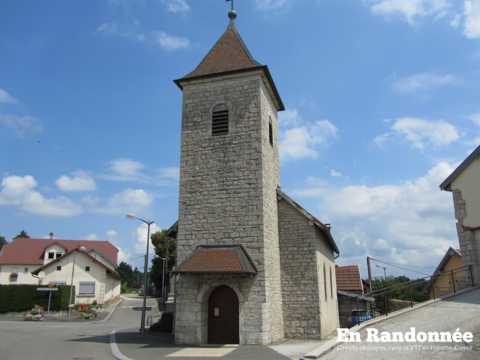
(220, 120)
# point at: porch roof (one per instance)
(218, 259)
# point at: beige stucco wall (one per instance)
(24, 277)
(468, 182)
(106, 287)
(443, 283)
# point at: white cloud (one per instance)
(410, 10)
(6, 98)
(23, 126)
(141, 237)
(170, 42)
(398, 222)
(155, 38)
(127, 201)
(476, 119)
(448, 10)
(19, 192)
(112, 234)
(423, 82)
(91, 237)
(79, 181)
(270, 4)
(335, 173)
(472, 19)
(126, 167)
(300, 139)
(420, 132)
(128, 170)
(172, 173)
(177, 6)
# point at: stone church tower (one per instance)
(228, 285)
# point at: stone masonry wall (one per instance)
(307, 312)
(299, 274)
(222, 196)
(273, 316)
(469, 240)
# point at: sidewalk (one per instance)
(132, 346)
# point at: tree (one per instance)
(3, 242)
(166, 248)
(22, 234)
(130, 278)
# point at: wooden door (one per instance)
(223, 316)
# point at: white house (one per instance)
(88, 265)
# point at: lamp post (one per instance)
(164, 288)
(145, 270)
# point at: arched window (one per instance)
(220, 120)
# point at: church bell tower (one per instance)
(228, 287)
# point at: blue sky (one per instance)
(382, 102)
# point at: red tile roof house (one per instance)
(350, 294)
(89, 265)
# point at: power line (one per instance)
(401, 267)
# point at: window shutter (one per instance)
(220, 120)
(86, 288)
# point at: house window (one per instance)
(86, 288)
(59, 268)
(13, 277)
(270, 132)
(51, 255)
(87, 268)
(325, 281)
(58, 255)
(220, 120)
(331, 284)
(25, 270)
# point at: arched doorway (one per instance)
(223, 314)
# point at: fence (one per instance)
(409, 293)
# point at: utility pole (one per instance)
(145, 271)
(384, 270)
(369, 268)
(71, 289)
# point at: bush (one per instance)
(16, 298)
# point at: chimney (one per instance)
(50, 235)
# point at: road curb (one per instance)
(333, 343)
(109, 315)
(117, 354)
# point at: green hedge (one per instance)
(14, 298)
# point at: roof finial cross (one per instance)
(232, 14)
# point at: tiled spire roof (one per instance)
(230, 55)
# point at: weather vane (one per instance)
(232, 14)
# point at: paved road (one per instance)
(461, 312)
(65, 341)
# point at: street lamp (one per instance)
(145, 270)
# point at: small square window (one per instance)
(59, 268)
(87, 268)
(51, 255)
(13, 277)
(58, 255)
(25, 270)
